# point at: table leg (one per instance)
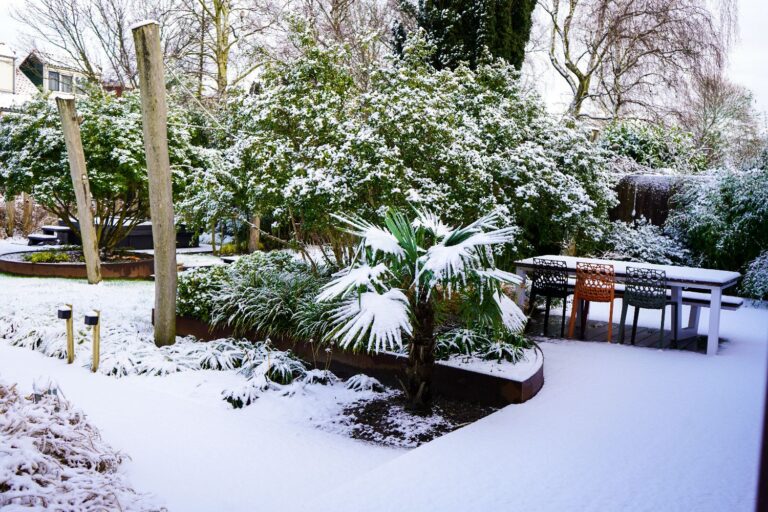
(677, 298)
(713, 336)
(521, 290)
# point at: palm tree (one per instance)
(404, 276)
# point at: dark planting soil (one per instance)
(387, 421)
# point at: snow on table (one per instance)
(674, 273)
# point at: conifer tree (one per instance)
(462, 30)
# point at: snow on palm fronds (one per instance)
(381, 319)
(432, 261)
(51, 458)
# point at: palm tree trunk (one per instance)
(421, 358)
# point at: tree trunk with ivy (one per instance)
(421, 357)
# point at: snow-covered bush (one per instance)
(643, 242)
(196, 288)
(755, 282)
(403, 276)
(462, 143)
(51, 458)
(653, 146)
(33, 158)
(723, 218)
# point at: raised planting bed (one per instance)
(479, 382)
(69, 264)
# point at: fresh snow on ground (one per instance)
(614, 428)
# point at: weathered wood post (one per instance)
(149, 56)
(10, 215)
(254, 235)
(77, 170)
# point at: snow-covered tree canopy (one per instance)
(33, 158)
(461, 143)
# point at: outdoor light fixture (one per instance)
(92, 320)
(65, 313)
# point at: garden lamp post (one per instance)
(92, 319)
(65, 313)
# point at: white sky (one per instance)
(748, 59)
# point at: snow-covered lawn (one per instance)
(614, 428)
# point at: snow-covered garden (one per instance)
(334, 255)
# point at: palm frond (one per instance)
(372, 236)
(381, 319)
(353, 279)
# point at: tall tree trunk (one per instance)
(421, 358)
(254, 238)
(10, 216)
(26, 214)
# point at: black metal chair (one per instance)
(647, 288)
(550, 280)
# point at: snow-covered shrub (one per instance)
(642, 241)
(33, 158)
(723, 218)
(459, 142)
(196, 287)
(51, 458)
(653, 146)
(482, 342)
(755, 282)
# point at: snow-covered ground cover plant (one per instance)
(52, 458)
(642, 241)
(408, 275)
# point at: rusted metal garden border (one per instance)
(141, 269)
(449, 382)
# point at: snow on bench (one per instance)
(39, 239)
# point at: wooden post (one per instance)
(10, 216)
(154, 112)
(79, 175)
(254, 238)
(26, 214)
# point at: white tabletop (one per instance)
(689, 276)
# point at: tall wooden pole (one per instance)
(79, 174)
(149, 56)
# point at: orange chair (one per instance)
(595, 282)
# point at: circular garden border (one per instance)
(141, 269)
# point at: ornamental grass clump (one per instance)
(409, 276)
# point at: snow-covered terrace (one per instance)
(614, 428)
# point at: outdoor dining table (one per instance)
(678, 279)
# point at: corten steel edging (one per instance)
(450, 382)
(141, 269)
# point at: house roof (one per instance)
(56, 61)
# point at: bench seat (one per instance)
(38, 239)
